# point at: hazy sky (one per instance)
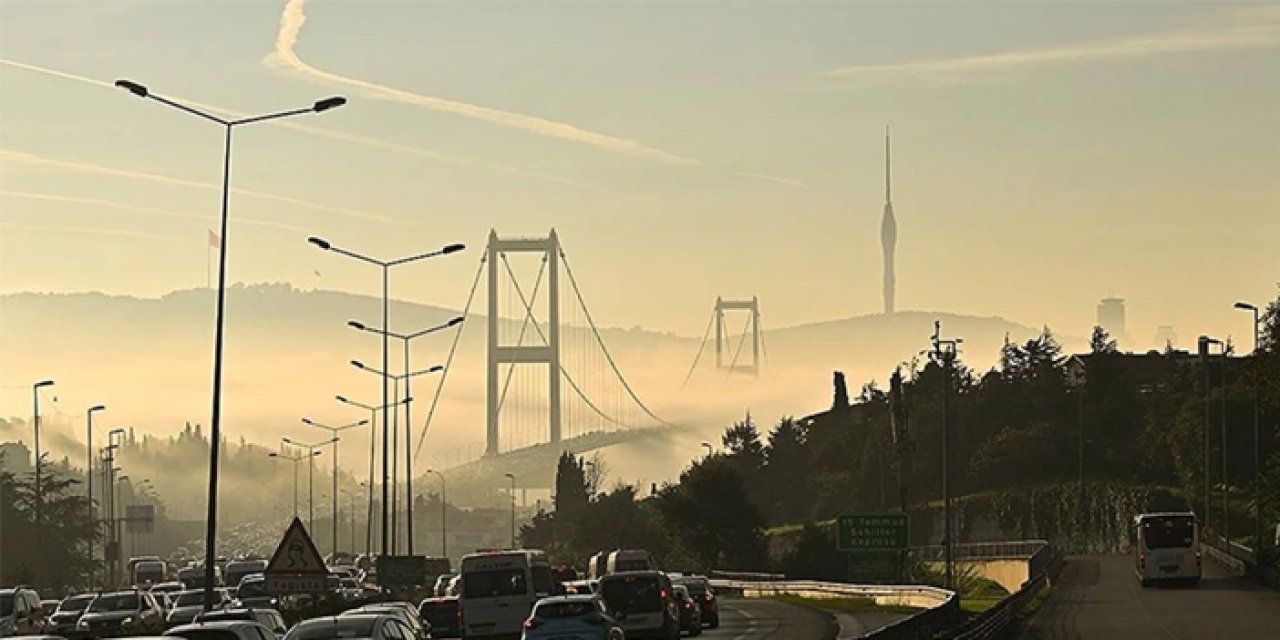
(1046, 154)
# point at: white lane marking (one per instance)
(751, 624)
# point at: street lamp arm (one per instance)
(270, 116)
(430, 254)
(179, 106)
(451, 323)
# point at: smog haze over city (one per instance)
(664, 256)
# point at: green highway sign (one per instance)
(871, 531)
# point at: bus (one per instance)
(1167, 548)
(498, 590)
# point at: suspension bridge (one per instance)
(551, 383)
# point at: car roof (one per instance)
(213, 624)
(634, 574)
(573, 597)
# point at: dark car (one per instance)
(121, 613)
(269, 618)
(700, 589)
(20, 612)
(443, 616)
(253, 594)
(690, 612)
(186, 604)
(64, 619)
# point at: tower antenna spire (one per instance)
(888, 193)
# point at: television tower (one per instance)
(888, 232)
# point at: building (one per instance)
(15, 458)
(1165, 337)
(888, 234)
(1111, 318)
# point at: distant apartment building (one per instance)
(15, 458)
(1165, 337)
(1111, 318)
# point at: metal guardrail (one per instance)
(994, 621)
(984, 550)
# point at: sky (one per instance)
(1045, 154)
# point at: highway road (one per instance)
(748, 619)
(1099, 597)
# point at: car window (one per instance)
(571, 609)
(542, 580)
(495, 583)
(391, 629)
(7, 605)
(330, 629)
(117, 602)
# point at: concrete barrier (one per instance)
(939, 608)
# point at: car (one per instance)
(643, 604)
(690, 611)
(701, 591)
(269, 618)
(442, 583)
(221, 630)
(237, 570)
(410, 617)
(454, 587)
(20, 612)
(121, 613)
(442, 614)
(367, 627)
(47, 607)
(186, 604)
(350, 589)
(252, 593)
(583, 587)
(580, 617)
(170, 587)
(64, 619)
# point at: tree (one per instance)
(1101, 342)
(571, 487)
(53, 554)
(841, 400)
(710, 513)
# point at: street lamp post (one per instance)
(513, 508)
(386, 305)
(88, 465)
(373, 430)
(408, 409)
(295, 459)
(407, 400)
(112, 523)
(710, 449)
(211, 520)
(1204, 343)
(334, 432)
(945, 352)
(115, 521)
(444, 515)
(313, 450)
(1257, 439)
(35, 402)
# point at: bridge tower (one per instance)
(516, 354)
(753, 307)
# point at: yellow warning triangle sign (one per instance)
(296, 554)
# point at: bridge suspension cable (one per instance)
(701, 347)
(738, 351)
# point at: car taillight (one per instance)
(532, 623)
(1142, 560)
(707, 597)
(663, 594)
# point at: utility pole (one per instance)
(944, 351)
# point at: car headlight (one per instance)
(127, 620)
(83, 624)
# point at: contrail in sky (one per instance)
(291, 22)
(99, 202)
(116, 233)
(21, 157)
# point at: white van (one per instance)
(630, 560)
(1167, 548)
(498, 590)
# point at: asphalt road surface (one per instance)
(1099, 597)
(747, 619)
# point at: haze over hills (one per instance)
(288, 354)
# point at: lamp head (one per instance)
(320, 242)
(307, 421)
(43, 383)
(436, 369)
(453, 322)
(1245, 305)
(453, 248)
(362, 422)
(328, 103)
(342, 399)
(357, 364)
(356, 325)
(97, 407)
(132, 87)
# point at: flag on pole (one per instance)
(214, 240)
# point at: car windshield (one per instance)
(696, 587)
(190, 599)
(77, 603)
(331, 629)
(494, 583)
(1168, 533)
(6, 605)
(115, 602)
(253, 589)
(570, 609)
(632, 594)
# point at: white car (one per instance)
(385, 627)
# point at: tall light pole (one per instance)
(334, 432)
(1204, 343)
(386, 312)
(115, 497)
(313, 450)
(88, 465)
(35, 402)
(944, 351)
(408, 409)
(1257, 438)
(710, 449)
(408, 456)
(513, 508)
(295, 458)
(215, 432)
(373, 430)
(444, 515)
(113, 522)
